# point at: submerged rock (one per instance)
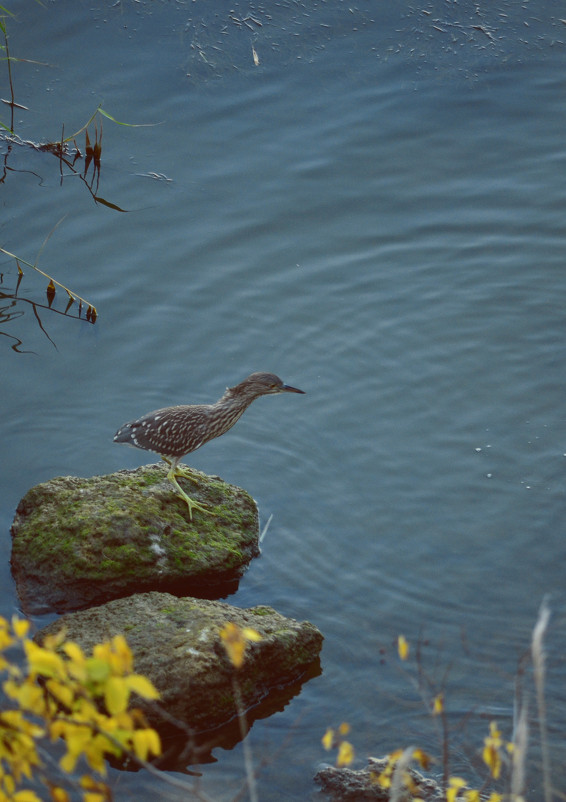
(357, 785)
(176, 643)
(78, 542)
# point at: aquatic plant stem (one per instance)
(250, 776)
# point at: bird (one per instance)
(174, 432)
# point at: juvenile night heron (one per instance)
(173, 432)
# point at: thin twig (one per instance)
(539, 659)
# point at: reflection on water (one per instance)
(376, 212)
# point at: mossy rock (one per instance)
(360, 785)
(78, 542)
(176, 642)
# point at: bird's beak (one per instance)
(286, 388)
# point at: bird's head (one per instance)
(263, 384)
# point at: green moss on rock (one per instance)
(79, 541)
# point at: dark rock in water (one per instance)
(176, 643)
(78, 542)
(350, 785)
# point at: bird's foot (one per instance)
(191, 503)
(194, 505)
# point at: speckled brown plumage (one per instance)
(176, 431)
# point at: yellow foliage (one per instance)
(423, 758)
(44, 662)
(25, 796)
(492, 751)
(59, 794)
(235, 639)
(62, 693)
(20, 627)
(97, 669)
(116, 695)
(345, 754)
(62, 689)
(334, 738)
(384, 779)
(438, 705)
(403, 647)
(455, 785)
(328, 739)
(142, 686)
(146, 742)
(6, 639)
(95, 791)
(74, 652)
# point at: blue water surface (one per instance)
(375, 212)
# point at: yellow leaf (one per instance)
(384, 779)
(15, 720)
(328, 739)
(344, 728)
(96, 791)
(116, 695)
(61, 691)
(52, 642)
(402, 647)
(154, 741)
(234, 643)
(97, 667)
(89, 783)
(20, 627)
(142, 686)
(251, 634)
(410, 785)
(455, 786)
(68, 762)
(59, 794)
(438, 705)
(42, 661)
(492, 759)
(423, 758)
(146, 742)
(29, 695)
(345, 754)
(73, 651)
(26, 796)
(95, 752)
(101, 651)
(6, 639)
(123, 660)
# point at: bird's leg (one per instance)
(172, 476)
(183, 471)
(191, 503)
